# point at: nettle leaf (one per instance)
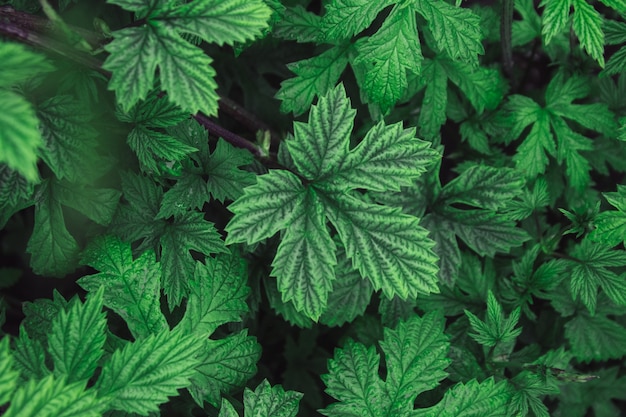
(147, 371)
(185, 71)
(387, 55)
(387, 247)
(172, 239)
(70, 145)
(486, 398)
(218, 294)
(550, 122)
(54, 251)
(226, 364)
(415, 354)
(265, 400)
(54, 397)
(590, 270)
(132, 284)
(587, 24)
(456, 30)
(496, 328)
(610, 225)
(382, 61)
(77, 338)
(314, 77)
(8, 374)
(20, 138)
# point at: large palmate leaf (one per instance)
(185, 71)
(387, 247)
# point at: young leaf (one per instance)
(496, 328)
(146, 372)
(132, 285)
(8, 375)
(184, 69)
(77, 339)
(51, 397)
(412, 368)
(226, 364)
(218, 294)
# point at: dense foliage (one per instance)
(290, 207)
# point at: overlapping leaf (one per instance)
(415, 354)
(185, 71)
(387, 247)
(265, 401)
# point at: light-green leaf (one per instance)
(268, 401)
(386, 246)
(132, 285)
(77, 338)
(20, 138)
(146, 372)
(218, 294)
(8, 374)
(587, 25)
(305, 259)
(226, 364)
(18, 63)
(265, 208)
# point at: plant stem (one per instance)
(506, 29)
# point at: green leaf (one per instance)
(154, 148)
(433, 115)
(415, 354)
(487, 398)
(40, 313)
(455, 30)
(386, 246)
(305, 258)
(590, 271)
(187, 232)
(98, 204)
(265, 208)
(587, 25)
(350, 295)
(219, 21)
(30, 357)
(322, 143)
(51, 397)
(270, 401)
(226, 179)
(134, 54)
(554, 17)
(63, 121)
(15, 193)
(483, 186)
(387, 55)
(132, 285)
(18, 63)
(298, 24)
(184, 69)
(532, 155)
(8, 375)
(226, 364)
(154, 112)
(20, 138)
(496, 328)
(346, 18)
(146, 372)
(442, 232)
(77, 339)
(610, 225)
(218, 294)
(484, 87)
(53, 249)
(595, 338)
(314, 77)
